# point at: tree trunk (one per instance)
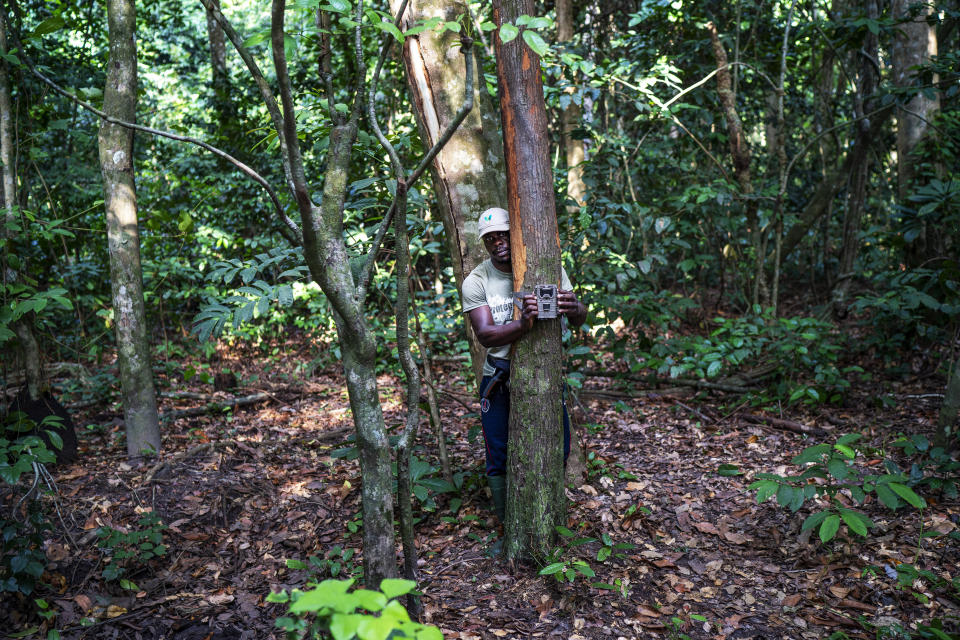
(946, 434)
(326, 255)
(535, 499)
(468, 173)
(29, 350)
(867, 81)
(740, 154)
(116, 162)
(218, 69)
(915, 43)
(570, 119)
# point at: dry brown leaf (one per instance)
(84, 602)
(850, 603)
(839, 592)
(792, 600)
(707, 527)
(648, 612)
(736, 538)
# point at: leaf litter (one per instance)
(243, 493)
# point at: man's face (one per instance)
(497, 244)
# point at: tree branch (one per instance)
(296, 176)
(256, 177)
(269, 101)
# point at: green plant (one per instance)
(933, 467)
(22, 559)
(133, 547)
(829, 471)
(335, 561)
(330, 609)
(567, 569)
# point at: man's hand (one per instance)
(528, 312)
(568, 305)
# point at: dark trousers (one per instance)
(495, 418)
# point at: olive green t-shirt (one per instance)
(488, 286)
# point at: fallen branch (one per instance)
(215, 406)
(683, 382)
(780, 423)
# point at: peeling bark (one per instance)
(535, 499)
(467, 174)
(123, 238)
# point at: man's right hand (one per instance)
(528, 312)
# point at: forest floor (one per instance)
(243, 492)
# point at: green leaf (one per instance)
(838, 468)
(394, 587)
(508, 32)
(551, 569)
(887, 497)
(829, 527)
(343, 626)
(584, 568)
(853, 522)
(370, 600)
(535, 42)
(814, 520)
(765, 489)
(54, 23)
(255, 39)
(329, 593)
(846, 451)
(278, 597)
(785, 494)
(604, 553)
(338, 6)
(390, 28)
(728, 470)
(811, 454)
(908, 495)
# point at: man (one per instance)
(488, 301)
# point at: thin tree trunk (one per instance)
(570, 120)
(915, 42)
(468, 172)
(29, 349)
(535, 499)
(740, 153)
(867, 81)
(218, 69)
(946, 434)
(116, 163)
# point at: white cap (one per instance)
(495, 219)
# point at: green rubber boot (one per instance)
(498, 489)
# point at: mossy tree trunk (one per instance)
(535, 499)
(29, 350)
(123, 237)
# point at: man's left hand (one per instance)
(568, 305)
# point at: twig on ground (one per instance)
(232, 403)
(781, 423)
(183, 455)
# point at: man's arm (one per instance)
(568, 305)
(497, 335)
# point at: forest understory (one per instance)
(242, 492)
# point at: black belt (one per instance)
(501, 375)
